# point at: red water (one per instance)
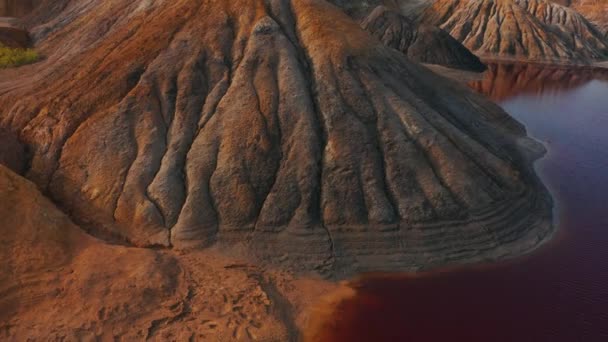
(559, 292)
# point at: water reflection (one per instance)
(504, 81)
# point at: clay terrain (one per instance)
(594, 10)
(395, 24)
(420, 43)
(524, 30)
(193, 169)
(58, 283)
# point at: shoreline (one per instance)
(325, 311)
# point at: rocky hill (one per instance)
(527, 30)
(278, 129)
(594, 10)
(420, 43)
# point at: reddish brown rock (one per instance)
(526, 30)
(594, 10)
(280, 129)
(57, 283)
(420, 43)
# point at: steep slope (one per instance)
(594, 10)
(530, 30)
(277, 128)
(421, 43)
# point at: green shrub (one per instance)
(12, 57)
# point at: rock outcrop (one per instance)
(526, 30)
(277, 128)
(420, 43)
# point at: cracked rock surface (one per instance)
(278, 129)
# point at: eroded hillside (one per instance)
(278, 129)
(525, 30)
(594, 10)
(419, 42)
(17, 8)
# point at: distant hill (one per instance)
(420, 43)
(529, 30)
(594, 10)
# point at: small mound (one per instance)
(594, 10)
(421, 43)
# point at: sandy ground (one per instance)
(58, 283)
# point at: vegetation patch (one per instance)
(14, 57)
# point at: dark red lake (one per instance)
(557, 293)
